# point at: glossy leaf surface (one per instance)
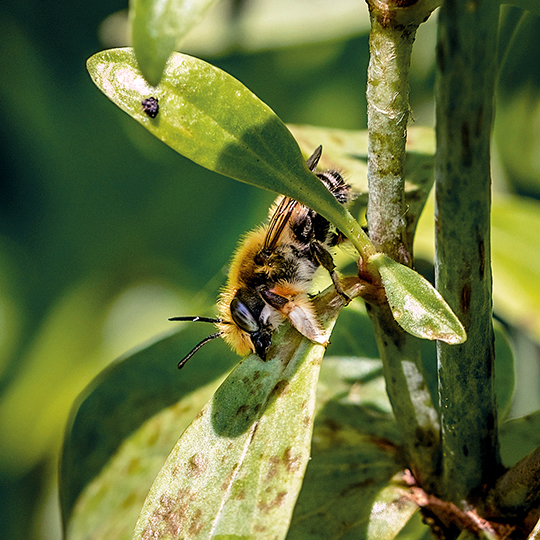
(214, 120)
(238, 468)
(353, 487)
(416, 305)
(127, 421)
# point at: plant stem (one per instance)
(466, 57)
(408, 394)
(388, 113)
(393, 29)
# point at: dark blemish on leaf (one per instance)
(280, 388)
(479, 122)
(225, 485)
(166, 519)
(129, 501)
(150, 106)
(425, 438)
(357, 486)
(466, 151)
(292, 463)
(465, 298)
(278, 501)
(133, 466)
(242, 410)
(384, 444)
(196, 465)
(465, 450)
(195, 526)
(152, 439)
(273, 470)
(256, 375)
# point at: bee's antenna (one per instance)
(314, 159)
(196, 318)
(184, 360)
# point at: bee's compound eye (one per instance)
(243, 317)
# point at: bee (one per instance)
(272, 271)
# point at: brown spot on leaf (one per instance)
(196, 523)
(196, 465)
(225, 485)
(273, 468)
(242, 410)
(292, 462)
(280, 388)
(170, 518)
(274, 503)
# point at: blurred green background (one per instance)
(105, 232)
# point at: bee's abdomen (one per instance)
(336, 185)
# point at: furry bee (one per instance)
(272, 271)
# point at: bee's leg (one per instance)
(275, 300)
(324, 258)
(300, 313)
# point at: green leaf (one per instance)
(416, 305)
(519, 437)
(50, 376)
(158, 27)
(347, 152)
(123, 429)
(237, 469)
(214, 120)
(353, 487)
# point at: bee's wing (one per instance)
(278, 222)
(285, 209)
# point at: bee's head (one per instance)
(246, 308)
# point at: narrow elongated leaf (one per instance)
(112, 410)
(353, 487)
(214, 120)
(238, 468)
(158, 26)
(416, 305)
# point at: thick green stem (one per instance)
(388, 114)
(409, 395)
(466, 57)
(393, 29)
